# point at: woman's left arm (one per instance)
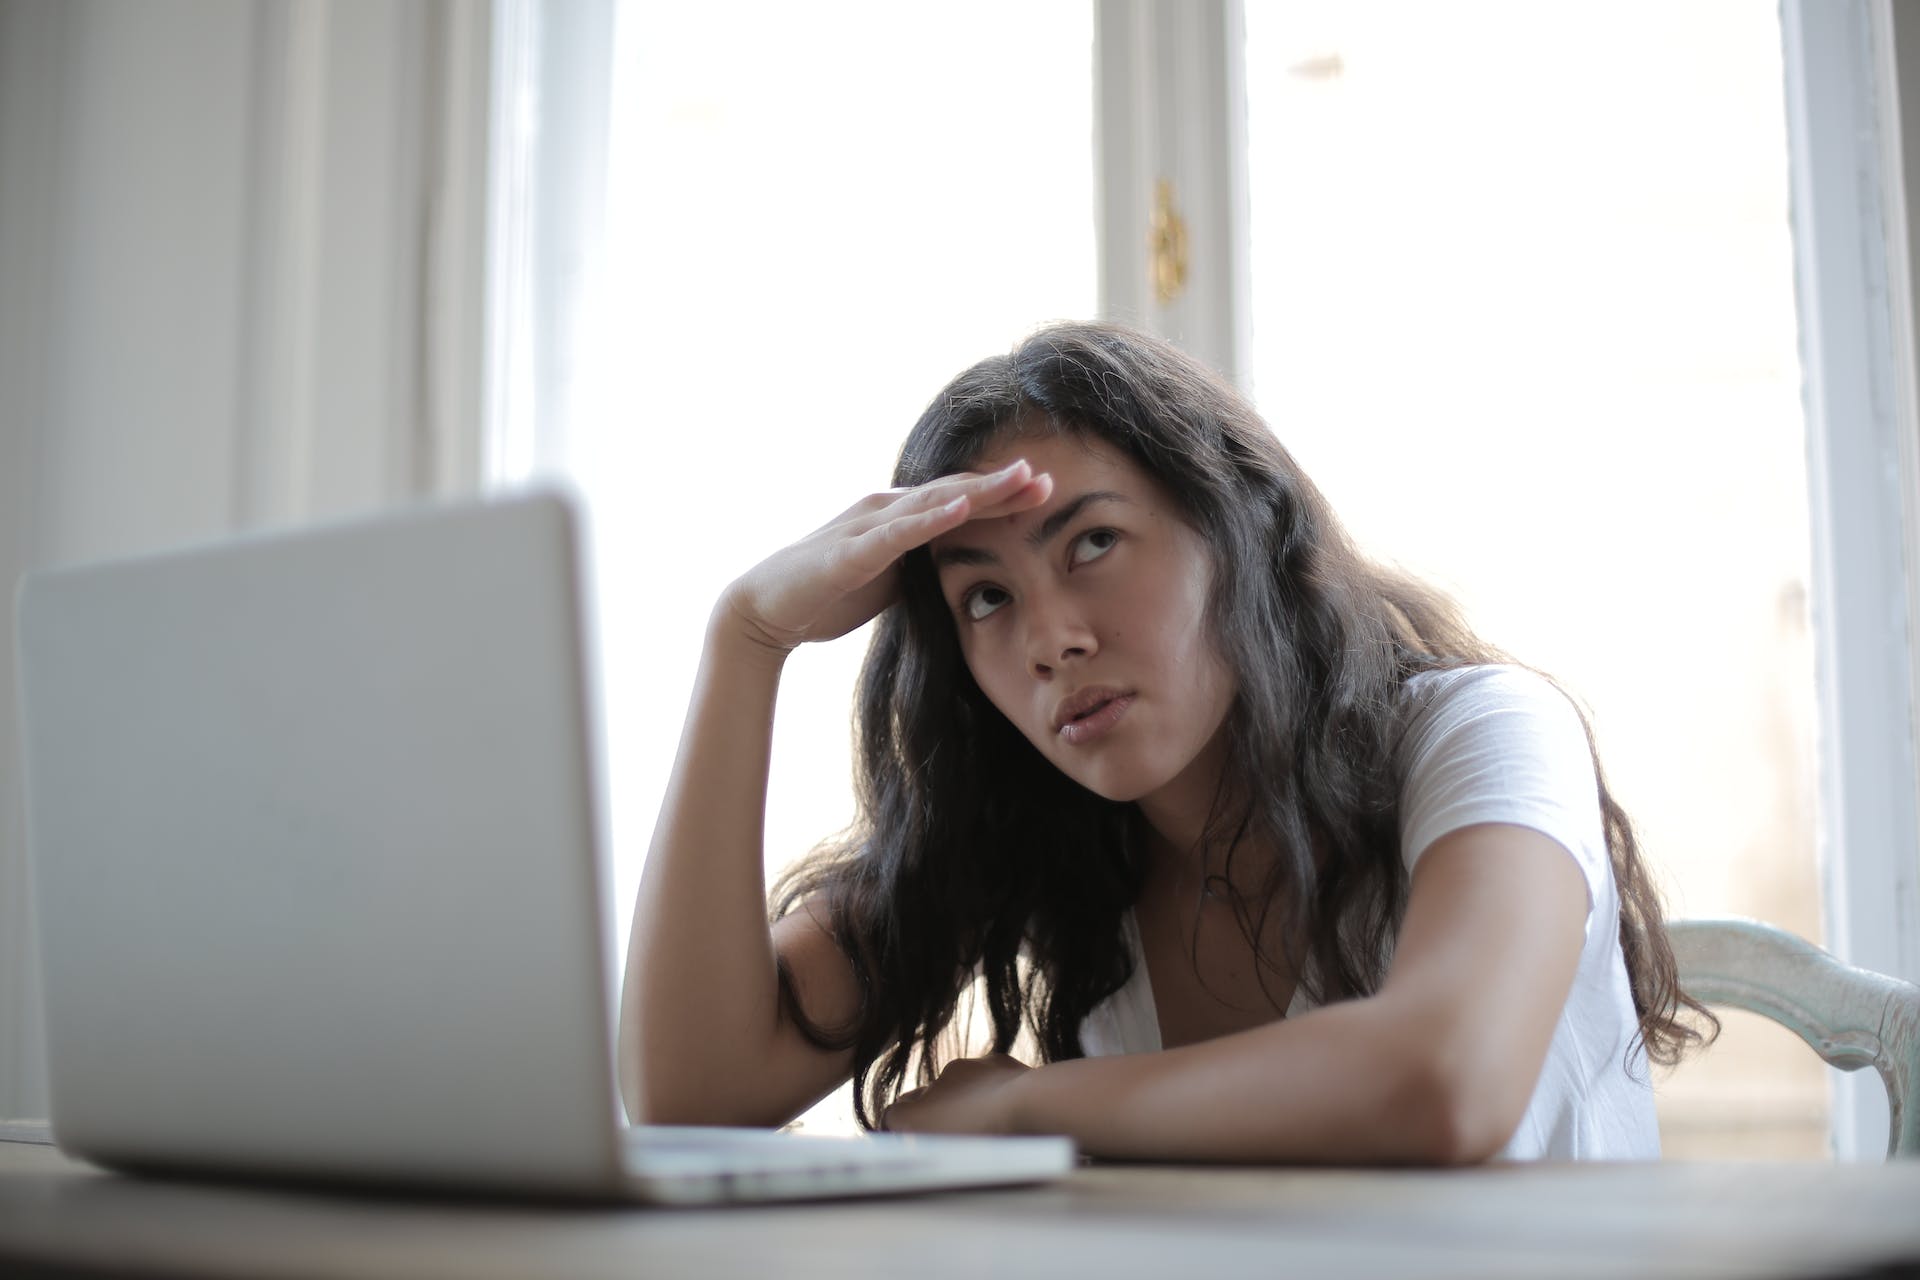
(1436, 1068)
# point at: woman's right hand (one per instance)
(845, 572)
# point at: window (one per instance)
(1523, 304)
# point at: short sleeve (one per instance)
(1500, 744)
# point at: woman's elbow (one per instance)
(1458, 1114)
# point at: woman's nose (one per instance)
(1057, 635)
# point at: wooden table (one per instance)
(1543, 1222)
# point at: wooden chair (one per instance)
(1851, 1017)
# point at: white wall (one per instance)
(120, 204)
(239, 284)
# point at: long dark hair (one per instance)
(973, 858)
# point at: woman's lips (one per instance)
(1097, 722)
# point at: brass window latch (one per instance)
(1167, 241)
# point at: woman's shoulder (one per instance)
(1497, 744)
(1450, 696)
(1494, 729)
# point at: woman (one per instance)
(1273, 858)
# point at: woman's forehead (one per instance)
(1087, 474)
(1053, 450)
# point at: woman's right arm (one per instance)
(703, 1037)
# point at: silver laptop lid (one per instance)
(316, 847)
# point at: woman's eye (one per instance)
(1093, 544)
(982, 601)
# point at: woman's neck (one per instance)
(1188, 841)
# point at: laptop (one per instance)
(319, 860)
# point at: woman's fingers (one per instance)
(1015, 489)
(869, 554)
(982, 489)
(1029, 495)
(842, 574)
(1003, 493)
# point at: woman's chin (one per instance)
(1119, 786)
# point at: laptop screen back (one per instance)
(317, 856)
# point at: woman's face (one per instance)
(1083, 621)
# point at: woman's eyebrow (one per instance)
(1060, 519)
(1048, 529)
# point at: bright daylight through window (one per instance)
(1523, 305)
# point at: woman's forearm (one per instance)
(1348, 1083)
(702, 1036)
(700, 1000)
(1437, 1068)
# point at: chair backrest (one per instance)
(1851, 1017)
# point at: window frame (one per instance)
(1852, 260)
(1170, 103)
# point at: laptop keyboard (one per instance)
(694, 1149)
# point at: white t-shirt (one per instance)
(1498, 744)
